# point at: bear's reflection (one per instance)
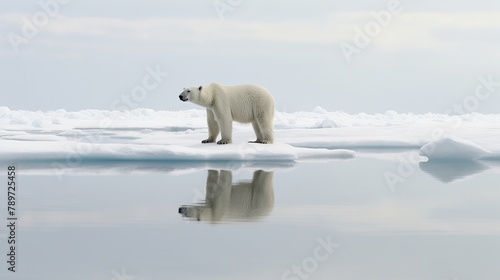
(241, 201)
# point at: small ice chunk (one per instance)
(39, 123)
(391, 113)
(327, 122)
(4, 111)
(452, 148)
(319, 110)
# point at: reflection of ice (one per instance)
(241, 201)
(112, 167)
(448, 171)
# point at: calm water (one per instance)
(335, 220)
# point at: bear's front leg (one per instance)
(213, 128)
(226, 129)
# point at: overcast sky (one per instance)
(420, 56)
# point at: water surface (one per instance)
(334, 220)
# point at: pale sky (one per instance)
(420, 56)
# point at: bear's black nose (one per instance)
(180, 97)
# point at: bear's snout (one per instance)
(182, 98)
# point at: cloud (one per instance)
(406, 30)
(431, 30)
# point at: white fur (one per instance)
(242, 103)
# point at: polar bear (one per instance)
(241, 103)
(228, 201)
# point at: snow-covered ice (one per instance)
(453, 148)
(148, 135)
(73, 150)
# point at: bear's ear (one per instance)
(200, 88)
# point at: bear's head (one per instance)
(191, 94)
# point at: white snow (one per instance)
(145, 134)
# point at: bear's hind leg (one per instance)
(258, 134)
(266, 130)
